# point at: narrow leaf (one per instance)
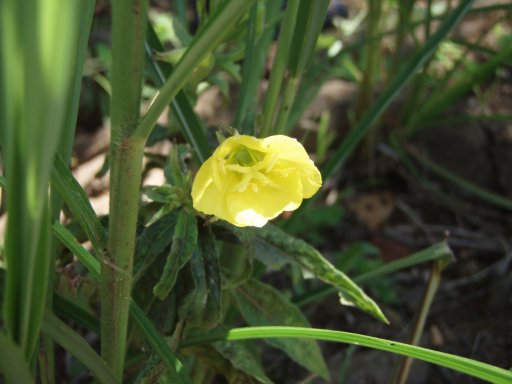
(203, 304)
(78, 203)
(183, 243)
(313, 262)
(152, 243)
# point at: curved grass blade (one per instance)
(470, 367)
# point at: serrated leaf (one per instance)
(286, 248)
(242, 359)
(262, 305)
(152, 242)
(184, 242)
(202, 305)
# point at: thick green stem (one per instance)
(116, 271)
(128, 36)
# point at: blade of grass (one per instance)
(391, 92)
(69, 310)
(278, 67)
(256, 48)
(78, 203)
(216, 28)
(462, 364)
(310, 20)
(75, 344)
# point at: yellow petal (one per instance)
(291, 154)
(255, 206)
(207, 197)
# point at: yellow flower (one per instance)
(248, 181)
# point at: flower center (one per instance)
(252, 166)
(246, 157)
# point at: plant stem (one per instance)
(420, 318)
(128, 36)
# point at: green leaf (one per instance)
(257, 246)
(78, 203)
(242, 359)
(203, 304)
(183, 243)
(287, 248)
(152, 243)
(260, 305)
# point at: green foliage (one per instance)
(260, 304)
(173, 283)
